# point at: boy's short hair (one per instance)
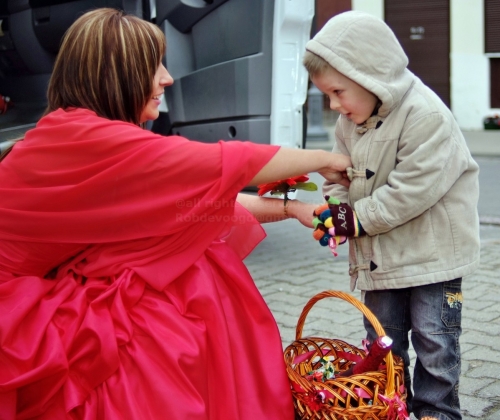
(314, 64)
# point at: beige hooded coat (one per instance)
(414, 183)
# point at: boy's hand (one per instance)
(344, 220)
(334, 222)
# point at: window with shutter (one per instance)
(423, 28)
(326, 9)
(495, 82)
(492, 46)
(492, 26)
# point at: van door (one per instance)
(237, 67)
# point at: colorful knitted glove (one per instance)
(334, 222)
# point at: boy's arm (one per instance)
(332, 189)
(431, 157)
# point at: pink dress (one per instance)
(122, 289)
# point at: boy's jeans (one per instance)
(433, 313)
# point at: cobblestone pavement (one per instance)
(289, 267)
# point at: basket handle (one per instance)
(366, 312)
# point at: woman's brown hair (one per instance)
(107, 63)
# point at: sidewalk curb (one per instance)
(489, 220)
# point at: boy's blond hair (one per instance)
(314, 64)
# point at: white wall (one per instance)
(373, 7)
(469, 78)
(470, 83)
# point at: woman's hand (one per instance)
(267, 210)
(335, 172)
(301, 211)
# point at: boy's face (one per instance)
(346, 96)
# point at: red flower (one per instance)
(283, 186)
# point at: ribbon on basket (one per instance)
(397, 407)
(306, 356)
(315, 399)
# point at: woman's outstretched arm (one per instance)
(288, 162)
(267, 210)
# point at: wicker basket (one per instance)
(371, 395)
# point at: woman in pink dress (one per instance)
(122, 289)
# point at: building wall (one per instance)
(374, 7)
(470, 86)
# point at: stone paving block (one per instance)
(327, 313)
(271, 296)
(475, 337)
(483, 316)
(280, 306)
(329, 282)
(293, 266)
(464, 366)
(478, 290)
(271, 272)
(274, 283)
(263, 282)
(472, 385)
(287, 321)
(287, 336)
(467, 417)
(489, 328)
(306, 271)
(493, 414)
(489, 284)
(490, 391)
(465, 346)
(477, 304)
(269, 290)
(339, 310)
(305, 279)
(483, 369)
(322, 328)
(303, 291)
(321, 286)
(490, 354)
(309, 290)
(492, 297)
(475, 407)
(290, 298)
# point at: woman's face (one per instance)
(161, 80)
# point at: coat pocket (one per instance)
(409, 244)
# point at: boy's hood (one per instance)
(363, 48)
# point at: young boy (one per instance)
(411, 208)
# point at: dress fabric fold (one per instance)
(123, 294)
